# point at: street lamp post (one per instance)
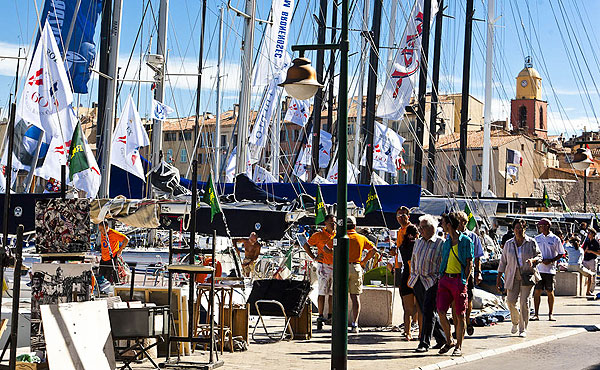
(296, 83)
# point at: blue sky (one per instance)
(560, 36)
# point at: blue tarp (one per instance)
(390, 196)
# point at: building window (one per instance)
(169, 155)
(282, 136)
(296, 135)
(522, 117)
(223, 141)
(184, 157)
(170, 136)
(200, 158)
(541, 118)
(187, 136)
(522, 147)
(350, 129)
(476, 172)
(452, 173)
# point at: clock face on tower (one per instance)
(524, 83)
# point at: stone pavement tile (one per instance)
(384, 349)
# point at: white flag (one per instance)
(231, 162)
(300, 170)
(320, 180)
(386, 149)
(128, 137)
(58, 151)
(160, 111)
(44, 124)
(325, 145)
(404, 71)
(298, 112)
(47, 90)
(353, 173)
(261, 175)
(274, 59)
(258, 136)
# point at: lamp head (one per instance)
(581, 159)
(301, 80)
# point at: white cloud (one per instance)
(569, 125)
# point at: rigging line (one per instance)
(133, 48)
(574, 36)
(587, 33)
(562, 111)
(579, 79)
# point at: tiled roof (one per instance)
(475, 140)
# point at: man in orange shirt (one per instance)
(357, 244)
(112, 244)
(323, 240)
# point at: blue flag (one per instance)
(81, 51)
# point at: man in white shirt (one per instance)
(552, 250)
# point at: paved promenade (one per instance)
(384, 349)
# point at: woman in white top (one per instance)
(519, 257)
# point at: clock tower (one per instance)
(528, 112)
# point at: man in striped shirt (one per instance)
(425, 265)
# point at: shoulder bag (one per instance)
(527, 278)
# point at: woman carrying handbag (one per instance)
(520, 256)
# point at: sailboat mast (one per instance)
(111, 97)
(361, 84)
(159, 91)
(489, 61)
(420, 124)
(318, 101)
(464, 110)
(199, 84)
(245, 95)
(435, 79)
(372, 90)
(218, 104)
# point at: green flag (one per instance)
(320, 212)
(78, 161)
(471, 223)
(546, 198)
(372, 203)
(210, 198)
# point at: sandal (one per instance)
(446, 348)
(534, 318)
(457, 352)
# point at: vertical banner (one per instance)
(81, 51)
(260, 130)
(403, 74)
(274, 58)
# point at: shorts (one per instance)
(404, 288)
(452, 289)
(547, 282)
(325, 275)
(248, 266)
(355, 278)
(590, 265)
(470, 286)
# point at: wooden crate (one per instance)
(302, 325)
(241, 319)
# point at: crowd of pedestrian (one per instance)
(436, 271)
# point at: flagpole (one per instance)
(505, 172)
(111, 97)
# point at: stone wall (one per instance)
(571, 191)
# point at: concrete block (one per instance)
(380, 307)
(567, 284)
